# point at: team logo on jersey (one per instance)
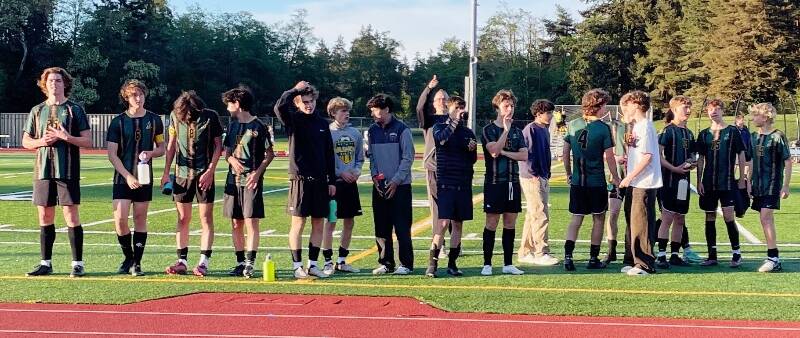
(685, 144)
(759, 150)
(715, 145)
(148, 126)
(345, 149)
(392, 137)
(631, 140)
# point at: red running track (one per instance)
(267, 315)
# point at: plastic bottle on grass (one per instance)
(269, 269)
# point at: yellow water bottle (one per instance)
(269, 269)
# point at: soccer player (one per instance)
(248, 151)
(677, 149)
(589, 140)
(642, 181)
(56, 129)
(503, 146)
(456, 152)
(770, 173)
(134, 136)
(720, 148)
(391, 153)
(195, 144)
(617, 194)
(534, 178)
(348, 145)
(312, 172)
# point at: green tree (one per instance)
(661, 68)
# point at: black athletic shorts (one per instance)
(124, 192)
(239, 202)
(308, 199)
(348, 201)
(49, 193)
(617, 193)
(499, 198)
(668, 196)
(766, 202)
(587, 200)
(455, 202)
(184, 190)
(713, 198)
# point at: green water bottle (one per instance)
(269, 269)
(332, 213)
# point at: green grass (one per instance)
(705, 293)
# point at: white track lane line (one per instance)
(132, 334)
(746, 233)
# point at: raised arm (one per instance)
(423, 109)
(443, 131)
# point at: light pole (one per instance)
(471, 89)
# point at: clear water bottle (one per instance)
(143, 170)
(683, 189)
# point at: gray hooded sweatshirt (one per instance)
(348, 149)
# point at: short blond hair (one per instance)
(679, 100)
(764, 109)
(337, 103)
(129, 86)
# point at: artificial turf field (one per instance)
(694, 292)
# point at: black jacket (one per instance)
(454, 159)
(310, 142)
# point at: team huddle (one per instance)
(612, 165)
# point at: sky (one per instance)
(419, 25)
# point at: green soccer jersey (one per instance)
(195, 139)
(501, 169)
(61, 160)
(618, 130)
(679, 146)
(769, 151)
(248, 143)
(720, 157)
(134, 135)
(588, 142)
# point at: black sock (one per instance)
(76, 242)
(612, 247)
(328, 254)
(313, 254)
(488, 245)
(125, 244)
(251, 257)
(662, 244)
(183, 253)
(685, 238)
(508, 246)
(139, 242)
(772, 253)
(733, 234)
(452, 256)
(239, 256)
(711, 239)
(674, 248)
(297, 255)
(594, 251)
(47, 236)
(206, 253)
(343, 252)
(569, 247)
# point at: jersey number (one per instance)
(583, 138)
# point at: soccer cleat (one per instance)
(676, 260)
(709, 262)
(625, 269)
(247, 271)
(770, 266)
(40, 270)
(454, 271)
(609, 258)
(595, 263)
(736, 261)
(200, 270)
(380, 270)
(136, 270)
(300, 273)
(661, 262)
(487, 270)
(692, 257)
(316, 272)
(77, 271)
(344, 267)
(236, 271)
(568, 264)
(125, 267)
(545, 260)
(512, 270)
(328, 269)
(527, 259)
(636, 271)
(179, 268)
(431, 271)
(402, 271)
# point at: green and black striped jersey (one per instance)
(501, 169)
(248, 143)
(133, 135)
(61, 160)
(679, 146)
(588, 142)
(769, 151)
(720, 157)
(195, 139)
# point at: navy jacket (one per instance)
(454, 159)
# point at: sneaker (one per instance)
(736, 261)
(136, 270)
(125, 267)
(636, 271)
(300, 273)
(512, 270)
(625, 269)
(692, 257)
(568, 264)
(40, 270)
(179, 268)
(236, 271)
(709, 262)
(316, 272)
(662, 263)
(770, 266)
(247, 271)
(328, 269)
(77, 271)
(200, 270)
(527, 259)
(454, 271)
(545, 260)
(609, 258)
(344, 267)
(380, 270)
(487, 270)
(402, 270)
(595, 263)
(676, 260)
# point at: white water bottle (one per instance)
(143, 171)
(683, 189)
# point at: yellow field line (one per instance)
(312, 282)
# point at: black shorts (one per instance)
(668, 198)
(617, 193)
(766, 202)
(308, 199)
(124, 192)
(238, 202)
(587, 200)
(499, 198)
(184, 190)
(455, 203)
(713, 198)
(49, 193)
(348, 201)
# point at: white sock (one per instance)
(340, 260)
(297, 265)
(75, 263)
(662, 253)
(737, 251)
(183, 261)
(312, 263)
(45, 262)
(204, 260)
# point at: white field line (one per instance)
(31, 172)
(746, 233)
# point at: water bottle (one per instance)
(332, 212)
(683, 189)
(143, 173)
(380, 184)
(168, 187)
(269, 269)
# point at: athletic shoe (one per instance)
(545, 260)
(736, 261)
(636, 271)
(512, 270)
(40, 270)
(662, 263)
(236, 271)
(568, 264)
(125, 267)
(136, 270)
(527, 259)
(676, 260)
(692, 257)
(328, 269)
(200, 270)
(179, 268)
(625, 269)
(770, 266)
(487, 270)
(300, 273)
(431, 271)
(344, 267)
(247, 271)
(454, 271)
(77, 271)
(709, 262)
(316, 272)
(380, 270)
(595, 263)
(609, 258)
(402, 270)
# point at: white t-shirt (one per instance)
(644, 140)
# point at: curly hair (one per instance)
(638, 98)
(764, 109)
(188, 105)
(129, 86)
(593, 100)
(240, 94)
(42, 82)
(338, 103)
(542, 106)
(381, 101)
